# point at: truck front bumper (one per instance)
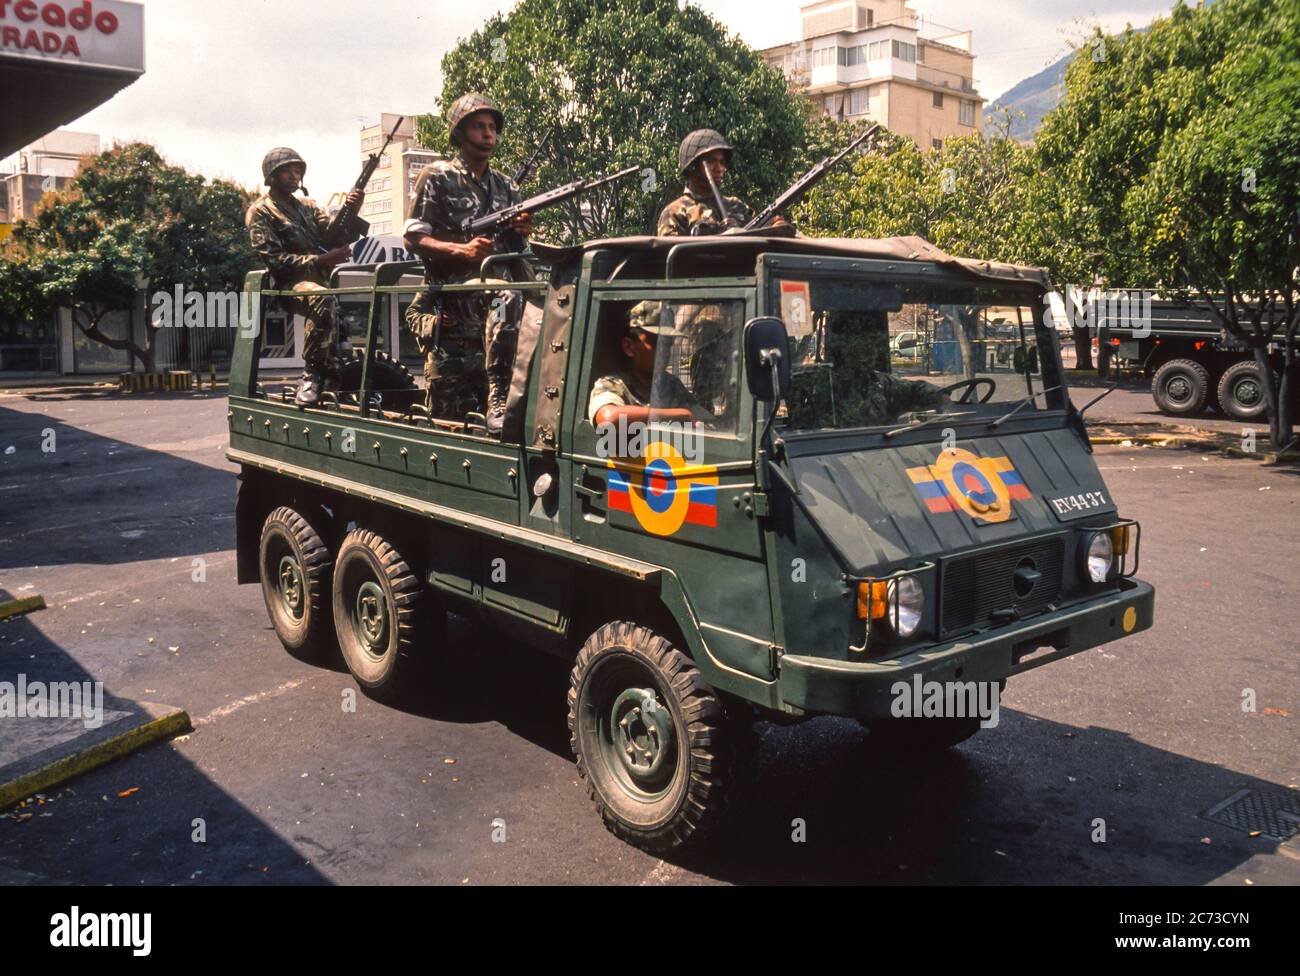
(864, 689)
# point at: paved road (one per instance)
(1145, 735)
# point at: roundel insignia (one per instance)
(663, 491)
(958, 480)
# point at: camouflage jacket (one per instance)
(289, 233)
(677, 219)
(623, 390)
(446, 194)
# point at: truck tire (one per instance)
(295, 568)
(393, 382)
(661, 774)
(1241, 392)
(1181, 387)
(381, 615)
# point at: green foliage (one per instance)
(967, 198)
(1172, 164)
(622, 81)
(127, 215)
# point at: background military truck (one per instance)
(1192, 363)
(828, 536)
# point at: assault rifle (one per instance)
(346, 212)
(525, 171)
(497, 225)
(806, 182)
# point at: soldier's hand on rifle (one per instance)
(355, 199)
(477, 249)
(339, 255)
(522, 223)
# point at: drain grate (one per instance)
(1275, 814)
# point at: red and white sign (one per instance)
(91, 33)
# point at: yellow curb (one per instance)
(1161, 440)
(63, 769)
(26, 604)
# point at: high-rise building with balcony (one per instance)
(390, 190)
(877, 60)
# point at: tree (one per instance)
(126, 216)
(1172, 164)
(967, 197)
(621, 82)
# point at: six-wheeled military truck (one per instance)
(714, 495)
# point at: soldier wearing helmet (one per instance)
(703, 155)
(642, 390)
(468, 339)
(290, 236)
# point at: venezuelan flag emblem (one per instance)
(663, 491)
(960, 481)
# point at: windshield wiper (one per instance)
(925, 422)
(993, 424)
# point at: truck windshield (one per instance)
(866, 354)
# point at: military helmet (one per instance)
(277, 157)
(465, 106)
(698, 143)
(648, 317)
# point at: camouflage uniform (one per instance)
(677, 219)
(474, 350)
(288, 234)
(690, 210)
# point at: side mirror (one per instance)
(767, 359)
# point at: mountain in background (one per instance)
(1039, 94)
(1035, 96)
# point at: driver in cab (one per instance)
(629, 392)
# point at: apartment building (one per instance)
(877, 60)
(391, 189)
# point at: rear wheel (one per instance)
(1241, 392)
(1181, 387)
(381, 614)
(295, 569)
(659, 754)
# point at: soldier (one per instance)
(290, 236)
(464, 354)
(629, 392)
(702, 154)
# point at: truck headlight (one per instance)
(905, 601)
(1100, 557)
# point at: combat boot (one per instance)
(498, 391)
(308, 390)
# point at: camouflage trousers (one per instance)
(320, 342)
(468, 361)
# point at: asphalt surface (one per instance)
(1146, 734)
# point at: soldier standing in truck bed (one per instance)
(468, 339)
(702, 154)
(290, 236)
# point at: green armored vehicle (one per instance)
(716, 494)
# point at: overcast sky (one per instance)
(226, 81)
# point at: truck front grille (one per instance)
(976, 586)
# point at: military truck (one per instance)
(820, 536)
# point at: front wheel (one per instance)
(1181, 388)
(652, 740)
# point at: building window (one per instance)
(871, 17)
(384, 161)
(860, 101)
(904, 51)
(879, 50)
(938, 99)
(824, 57)
(920, 54)
(967, 113)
